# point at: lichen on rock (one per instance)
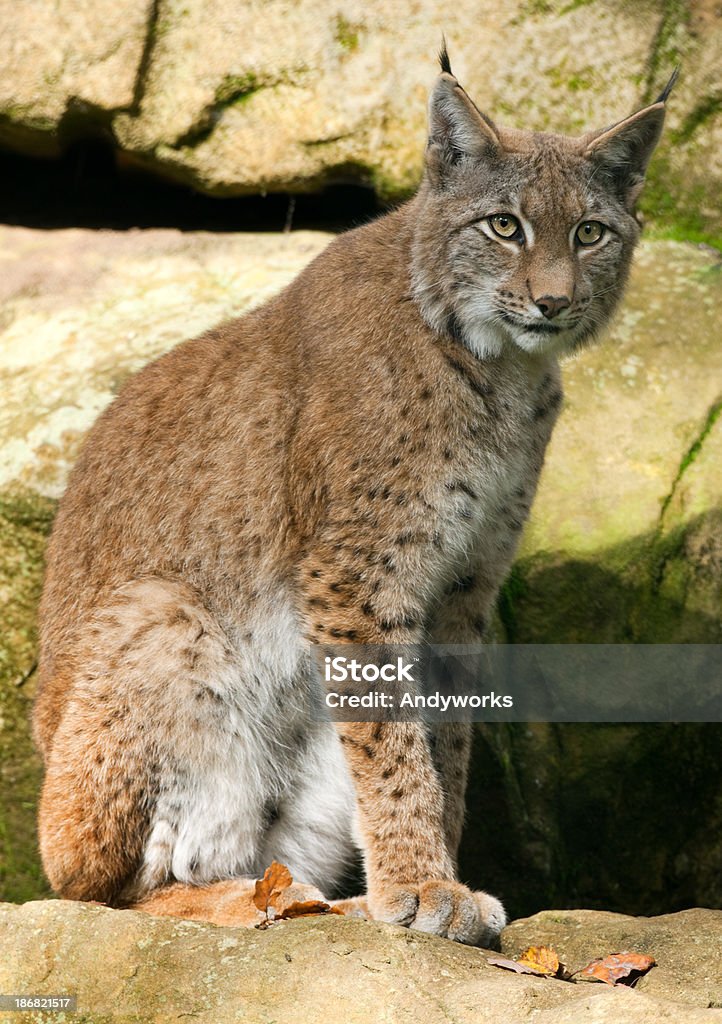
(328, 968)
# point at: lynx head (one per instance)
(524, 237)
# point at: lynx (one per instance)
(352, 461)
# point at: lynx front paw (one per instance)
(443, 908)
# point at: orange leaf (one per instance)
(617, 967)
(510, 965)
(276, 878)
(541, 959)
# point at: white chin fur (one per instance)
(482, 333)
(485, 340)
(550, 344)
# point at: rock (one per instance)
(299, 971)
(235, 99)
(623, 544)
(66, 68)
(616, 817)
(24, 525)
(80, 310)
(687, 947)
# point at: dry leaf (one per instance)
(541, 959)
(306, 908)
(618, 968)
(268, 889)
(510, 965)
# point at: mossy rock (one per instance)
(614, 817)
(25, 521)
(312, 94)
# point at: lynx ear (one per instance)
(624, 150)
(457, 129)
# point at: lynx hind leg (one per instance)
(132, 720)
(229, 902)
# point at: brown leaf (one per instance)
(618, 968)
(306, 908)
(276, 878)
(541, 959)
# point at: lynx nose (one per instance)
(550, 305)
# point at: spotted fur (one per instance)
(353, 461)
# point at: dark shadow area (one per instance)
(622, 818)
(87, 188)
(619, 817)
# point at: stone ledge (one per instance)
(127, 966)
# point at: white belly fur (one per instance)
(259, 779)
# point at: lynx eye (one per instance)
(505, 226)
(589, 232)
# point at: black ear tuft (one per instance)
(662, 98)
(444, 58)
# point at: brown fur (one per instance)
(349, 447)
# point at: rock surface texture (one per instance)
(241, 97)
(624, 544)
(333, 969)
(687, 947)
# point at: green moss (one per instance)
(534, 7)
(580, 82)
(693, 451)
(699, 115)
(236, 89)
(665, 53)
(24, 508)
(676, 208)
(25, 521)
(388, 188)
(233, 90)
(346, 33)
(577, 80)
(574, 5)
(638, 591)
(686, 232)
(512, 593)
